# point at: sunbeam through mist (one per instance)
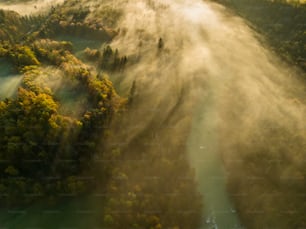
(211, 133)
(213, 72)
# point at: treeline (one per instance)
(73, 19)
(69, 18)
(281, 23)
(32, 153)
(46, 155)
(108, 59)
(49, 154)
(43, 153)
(16, 28)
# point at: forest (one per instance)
(76, 125)
(55, 130)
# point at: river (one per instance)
(213, 62)
(203, 150)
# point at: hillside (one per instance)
(145, 114)
(59, 140)
(281, 24)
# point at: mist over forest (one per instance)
(143, 114)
